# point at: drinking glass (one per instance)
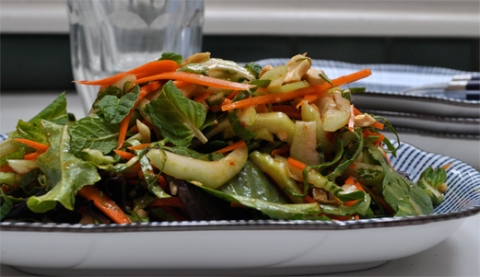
(112, 36)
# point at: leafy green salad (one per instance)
(203, 138)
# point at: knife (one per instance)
(465, 87)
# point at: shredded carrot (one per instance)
(296, 163)
(232, 94)
(226, 101)
(202, 96)
(31, 156)
(170, 201)
(281, 150)
(104, 203)
(351, 181)
(139, 146)
(291, 111)
(181, 84)
(134, 128)
(40, 147)
(447, 166)
(282, 97)
(144, 91)
(378, 141)
(197, 79)
(378, 125)
(309, 98)
(233, 146)
(309, 199)
(351, 120)
(356, 111)
(6, 168)
(162, 181)
(148, 69)
(125, 155)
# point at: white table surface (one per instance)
(458, 255)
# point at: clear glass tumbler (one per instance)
(111, 36)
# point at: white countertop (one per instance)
(458, 255)
(425, 18)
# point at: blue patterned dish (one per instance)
(251, 247)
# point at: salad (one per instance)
(203, 138)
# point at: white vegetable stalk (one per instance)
(210, 174)
(304, 143)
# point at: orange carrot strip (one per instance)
(447, 166)
(144, 91)
(309, 199)
(197, 79)
(41, 147)
(351, 181)
(351, 120)
(280, 150)
(231, 147)
(296, 163)
(232, 94)
(6, 168)
(356, 111)
(170, 201)
(125, 155)
(202, 96)
(282, 97)
(162, 181)
(150, 68)
(104, 203)
(378, 125)
(291, 111)
(181, 84)
(31, 156)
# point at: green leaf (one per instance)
(55, 112)
(150, 176)
(93, 133)
(361, 207)
(430, 180)
(65, 174)
(405, 197)
(239, 129)
(6, 204)
(171, 56)
(254, 68)
(178, 118)
(271, 209)
(251, 182)
(115, 109)
(17, 154)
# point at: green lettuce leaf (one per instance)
(55, 112)
(251, 182)
(115, 109)
(93, 133)
(405, 197)
(65, 174)
(171, 56)
(271, 209)
(178, 118)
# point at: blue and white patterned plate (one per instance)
(251, 247)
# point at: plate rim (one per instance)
(239, 225)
